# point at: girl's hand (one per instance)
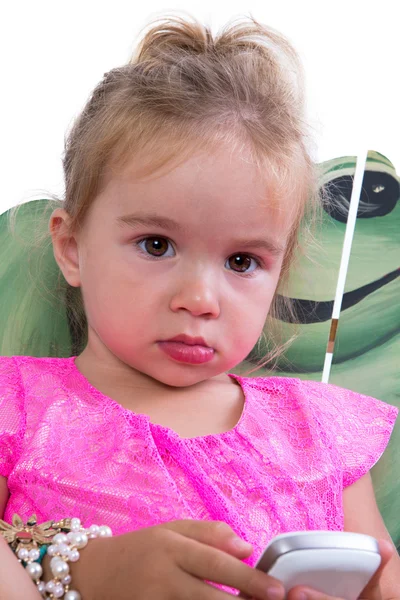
(172, 561)
(371, 592)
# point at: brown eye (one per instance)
(156, 246)
(241, 263)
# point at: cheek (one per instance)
(120, 318)
(248, 313)
(111, 294)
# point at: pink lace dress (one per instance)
(68, 450)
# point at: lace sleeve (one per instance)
(359, 426)
(12, 415)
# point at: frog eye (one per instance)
(379, 196)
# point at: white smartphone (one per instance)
(337, 563)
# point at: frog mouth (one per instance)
(311, 311)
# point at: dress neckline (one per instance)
(107, 400)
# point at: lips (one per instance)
(190, 341)
(185, 349)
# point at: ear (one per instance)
(65, 246)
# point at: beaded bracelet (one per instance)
(61, 540)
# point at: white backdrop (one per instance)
(53, 52)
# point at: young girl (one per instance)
(187, 182)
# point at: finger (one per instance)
(212, 533)
(211, 564)
(195, 589)
(372, 590)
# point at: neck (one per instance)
(211, 406)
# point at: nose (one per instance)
(197, 294)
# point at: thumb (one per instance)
(372, 591)
(212, 533)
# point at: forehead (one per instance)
(209, 188)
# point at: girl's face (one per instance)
(196, 252)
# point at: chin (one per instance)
(184, 376)
(182, 381)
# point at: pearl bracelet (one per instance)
(63, 540)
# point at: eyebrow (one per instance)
(271, 246)
(151, 220)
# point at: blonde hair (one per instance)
(184, 90)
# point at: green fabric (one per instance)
(33, 318)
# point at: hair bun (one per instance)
(170, 39)
(173, 33)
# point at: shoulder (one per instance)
(18, 360)
(284, 403)
(267, 385)
(20, 374)
(327, 396)
(285, 393)
(28, 387)
(32, 364)
(324, 408)
(354, 427)
(10, 380)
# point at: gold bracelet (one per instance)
(30, 535)
(61, 540)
